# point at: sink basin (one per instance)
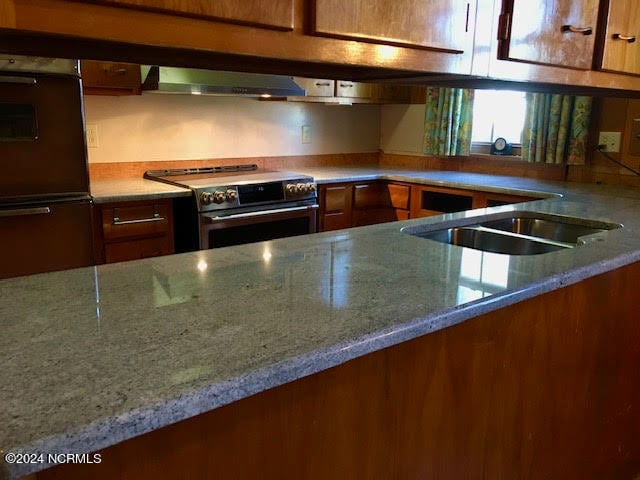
(523, 233)
(560, 229)
(489, 240)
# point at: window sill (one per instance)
(511, 158)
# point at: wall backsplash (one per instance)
(155, 127)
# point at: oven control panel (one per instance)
(250, 194)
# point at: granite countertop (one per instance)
(131, 189)
(94, 356)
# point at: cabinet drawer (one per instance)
(136, 249)
(370, 195)
(337, 198)
(132, 221)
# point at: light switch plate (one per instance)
(306, 134)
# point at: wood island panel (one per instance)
(541, 389)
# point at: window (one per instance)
(498, 113)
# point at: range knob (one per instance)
(311, 187)
(291, 188)
(231, 195)
(301, 188)
(206, 198)
(219, 196)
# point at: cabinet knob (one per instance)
(626, 38)
(582, 30)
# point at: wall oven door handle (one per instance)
(21, 212)
(19, 80)
(223, 218)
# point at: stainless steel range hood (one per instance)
(212, 82)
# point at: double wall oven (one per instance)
(45, 210)
(242, 204)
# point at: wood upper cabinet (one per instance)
(621, 42)
(445, 25)
(276, 14)
(110, 78)
(551, 32)
(348, 89)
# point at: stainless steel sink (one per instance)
(560, 229)
(523, 233)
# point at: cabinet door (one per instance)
(622, 38)
(316, 87)
(275, 13)
(552, 32)
(353, 89)
(445, 25)
(109, 78)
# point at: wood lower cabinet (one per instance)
(134, 230)
(427, 200)
(356, 204)
(274, 14)
(552, 32)
(336, 202)
(621, 38)
(445, 25)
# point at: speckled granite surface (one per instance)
(93, 356)
(131, 189)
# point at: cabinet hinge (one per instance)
(504, 25)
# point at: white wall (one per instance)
(402, 128)
(155, 127)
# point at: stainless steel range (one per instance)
(242, 204)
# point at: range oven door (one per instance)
(42, 147)
(235, 229)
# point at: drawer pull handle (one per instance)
(323, 84)
(19, 80)
(582, 30)
(627, 38)
(116, 218)
(21, 212)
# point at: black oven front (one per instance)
(283, 220)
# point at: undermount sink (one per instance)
(522, 233)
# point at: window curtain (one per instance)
(448, 120)
(556, 128)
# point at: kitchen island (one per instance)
(294, 346)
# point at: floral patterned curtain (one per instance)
(448, 120)
(556, 128)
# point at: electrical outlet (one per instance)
(306, 134)
(92, 136)
(610, 140)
